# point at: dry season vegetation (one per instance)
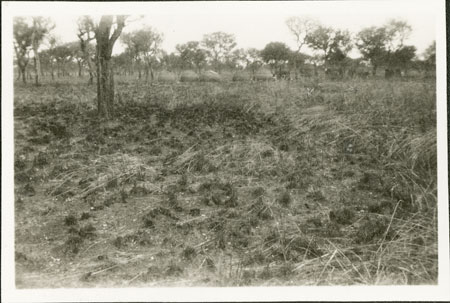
(226, 184)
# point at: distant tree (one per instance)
(47, 56)
(340, 47)
(276, 54)
(192, 55)
(152, 51)
(335, 44)
(63, 55)
(133, 48)
(254, 60)
(23, 38)
(77, 54)
(399, 56)
(321, 39)
(371, 43)
(124, 62)
(249, 59)
(296, 61)
(402, 58)
(300, 28)
(238, 59)
(145, 44)
(430, 54)
(46, 61)
(384, 45)
(85, 33)
(40, 29)
(397, 32)
(105, 74)
(53, 42)
(219, 46)
(429, 57)
(428, 64)
(172, 62)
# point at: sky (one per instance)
(254, 24)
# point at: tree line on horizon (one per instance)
(382, 46)
(143, 55)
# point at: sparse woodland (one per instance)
(215, 165)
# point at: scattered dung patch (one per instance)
(372, 229)
(344, 216)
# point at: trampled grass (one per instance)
(227, 184)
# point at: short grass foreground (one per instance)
(226, 184)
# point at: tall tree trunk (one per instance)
(91, 68)
(37, 65)
(87, 58)
(152, 75)
(79, 68)
(105, 74)
(105, 87)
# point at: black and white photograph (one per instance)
(224, 150)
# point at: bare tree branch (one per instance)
(120, 25)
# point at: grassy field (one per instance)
(226, 184)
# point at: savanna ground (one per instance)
(313, 182)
